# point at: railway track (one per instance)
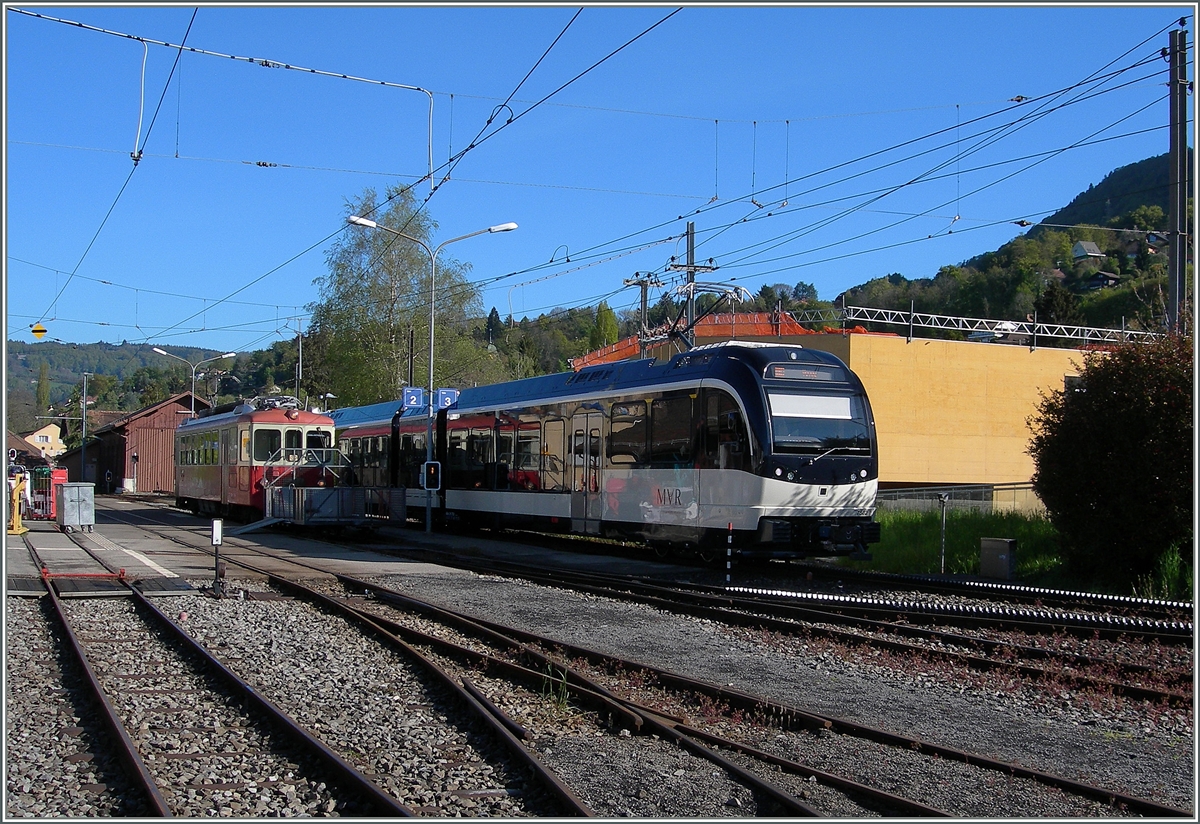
(193, 749)
(195, 739)
(670, 720)
(1008, 593)
(989, 647)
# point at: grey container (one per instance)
(76, 507)
(998, 558)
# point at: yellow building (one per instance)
(951, 412)
(946, 412)
(47, 440)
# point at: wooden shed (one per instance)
(136, 453)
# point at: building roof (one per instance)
(126, 418)
(1088, 249)
(729, 325)
(33, 455)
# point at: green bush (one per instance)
(912, 542)
(1113, 459)
(912, 545)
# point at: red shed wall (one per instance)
(153, 439)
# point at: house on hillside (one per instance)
(47, 440)
(1101, 280)
(1086, 251)
(22, 452)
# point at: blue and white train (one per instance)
(771, 444)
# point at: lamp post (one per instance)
(194, 366)
(83, 401)
(433, 253)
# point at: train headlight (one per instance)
(779, 472)
(862, 474)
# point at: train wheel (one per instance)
(709, 556)
(661, 550)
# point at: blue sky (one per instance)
(891, 132)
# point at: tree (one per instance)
(804, 293)
(1113, 458)
(606, 330)
(1057, 305)
(494, 329)
(43, 387)
(377, 288)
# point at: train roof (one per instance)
(697, 363)
(360, 415)
(275, 409)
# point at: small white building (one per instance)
(1087, 250)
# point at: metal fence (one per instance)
(968, 497)
(337, 505)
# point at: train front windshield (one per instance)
(812, 424)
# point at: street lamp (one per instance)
(194, 365)
(83, 402)
(433, 253)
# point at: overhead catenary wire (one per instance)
(946, 203)
(124, 185)
(753, 181)
(992, 133)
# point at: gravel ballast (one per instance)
(367, 703)
(1125, 754)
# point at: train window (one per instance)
(819, 423)
(244, 439)
(293, 445)
(526, 468)
(479, 447)
(266, 444)
(627, 438)
(456, 450)
(726, 445)
(671, 432)
(316, 439)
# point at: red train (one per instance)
(226, 458)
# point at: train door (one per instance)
(226, 457)
(243, 463)
(585, 472)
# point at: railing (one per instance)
(312, 506)
(292, 461)
(1031, 332)
(966, 497)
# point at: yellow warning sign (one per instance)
(38, 331)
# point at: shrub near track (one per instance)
(1113, 459)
